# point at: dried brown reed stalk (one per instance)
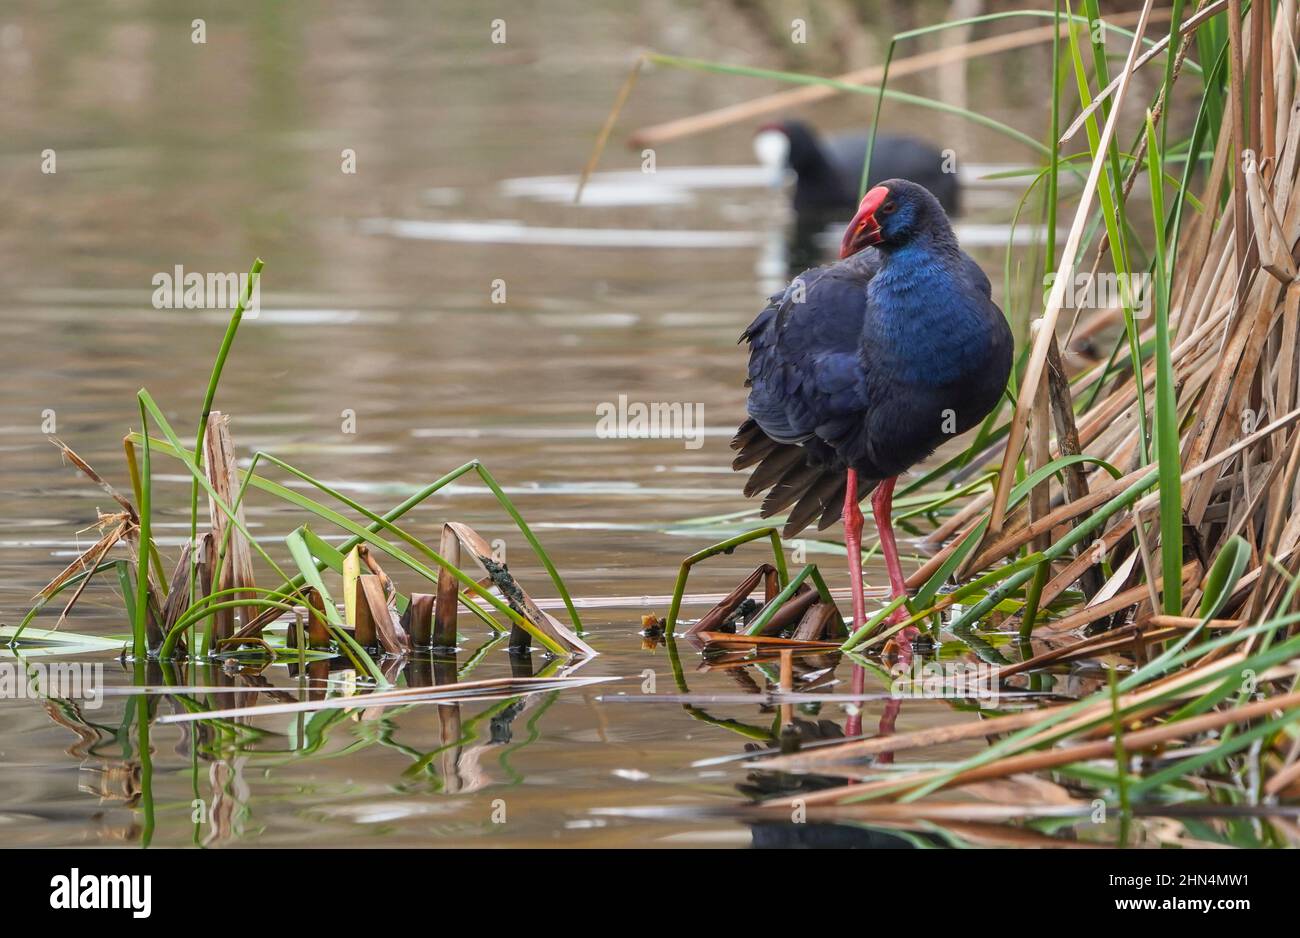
(1233, 376)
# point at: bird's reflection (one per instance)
(807, 239)
(791, 730)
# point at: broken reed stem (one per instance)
(365, 627)
(447, 599)
(235, 558)
(318, 635)
(419, 619)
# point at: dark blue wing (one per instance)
(808, 389)
(807, 374)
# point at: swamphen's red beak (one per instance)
(864, 230)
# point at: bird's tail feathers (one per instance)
(807, 477)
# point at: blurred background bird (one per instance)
(828, 170)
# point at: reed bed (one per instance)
(1135, 508)
(1196, 445)
(209, 605)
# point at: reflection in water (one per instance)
(224, 781)
(222, 754)
(806, 246)
(789, 733)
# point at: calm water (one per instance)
(378, 317)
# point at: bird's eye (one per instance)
(888, 208)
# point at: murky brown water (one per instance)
(208, 155)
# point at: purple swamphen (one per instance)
(828, 170)
(861, 368)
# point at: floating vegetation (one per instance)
(207, 604)
(792, 614)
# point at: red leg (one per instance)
(886, 728)
(852, 518)
(882, 508)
